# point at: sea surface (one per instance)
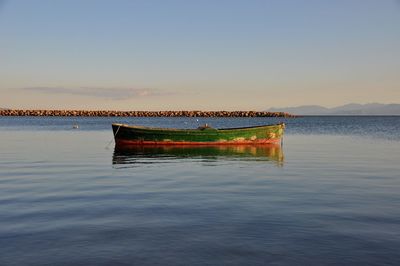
(329, 196)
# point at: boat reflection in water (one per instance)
(149, 154)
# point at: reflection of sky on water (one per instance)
(333, 201)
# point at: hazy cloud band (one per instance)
(106, 93)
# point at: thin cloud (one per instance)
(105, 93)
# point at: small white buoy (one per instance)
(75, 126)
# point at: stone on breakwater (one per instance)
(104, 113)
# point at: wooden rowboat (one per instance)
(204, 135)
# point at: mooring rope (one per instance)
(116, 132)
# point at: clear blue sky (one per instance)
(160, 55)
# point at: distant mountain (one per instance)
(348, 109)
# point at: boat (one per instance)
(204, 135)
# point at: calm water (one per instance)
(329, 196)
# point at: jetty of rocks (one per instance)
(99, 113)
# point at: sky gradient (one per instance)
(202, 55)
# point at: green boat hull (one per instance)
(137, 135)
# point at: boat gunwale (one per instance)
(196, 129)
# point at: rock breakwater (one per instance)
(99, 113)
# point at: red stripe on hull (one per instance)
(123, 142)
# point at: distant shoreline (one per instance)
(108, 113)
